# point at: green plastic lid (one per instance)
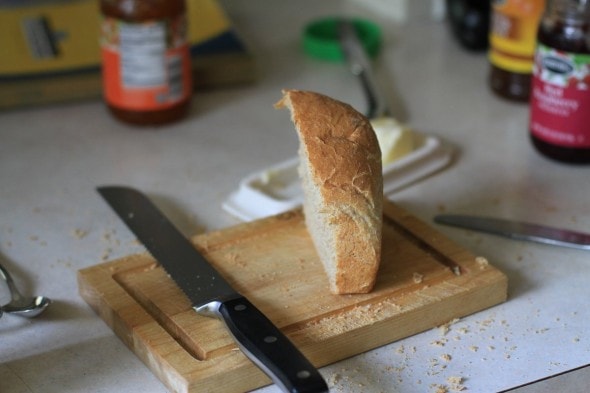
(320, 38)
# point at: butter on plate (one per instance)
(395, 139)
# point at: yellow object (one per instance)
(513, 34)
(206, 20)
(395, 139)
(62, 36)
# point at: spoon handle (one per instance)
(360, 65)
(14, 292)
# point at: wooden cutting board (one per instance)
(425, 280)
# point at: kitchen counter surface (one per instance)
(53, 223)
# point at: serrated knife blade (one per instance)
(212, 296)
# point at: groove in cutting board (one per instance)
(274, 264)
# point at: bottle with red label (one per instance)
(145, 60)
(560, 98)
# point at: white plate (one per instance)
(277, 189)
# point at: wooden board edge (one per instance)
(178, 370)
(422, 316)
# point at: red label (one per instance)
(557, 115)
(560, 101)
(146, 66)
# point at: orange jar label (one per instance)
(513, 33)
(146, 66)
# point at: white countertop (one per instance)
(52, 158)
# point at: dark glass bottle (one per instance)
(512, 47)
(146, 60)
(470, 22)
(560, 102)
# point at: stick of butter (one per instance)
(395, 139)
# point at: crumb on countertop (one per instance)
(79, 233)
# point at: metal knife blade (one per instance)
(211, 295)
(518, 230)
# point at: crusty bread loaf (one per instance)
(340, 170)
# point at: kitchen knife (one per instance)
(212, 296)
(518, 230)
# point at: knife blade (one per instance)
(518, 230)
(212, 296)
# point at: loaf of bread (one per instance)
(340, 171)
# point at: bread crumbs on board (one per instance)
(482, 262)
(358, 316)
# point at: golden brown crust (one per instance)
(344, 169)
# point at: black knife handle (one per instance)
(269, 348)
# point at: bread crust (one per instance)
(340, 167)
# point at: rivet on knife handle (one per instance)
(270, 349)
(211, 295)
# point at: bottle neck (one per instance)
(572, 11)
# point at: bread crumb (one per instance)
(456, 384)
(439, 343)
(482, 262)
(79, 233)
(444, 329)
(106, 254)
(417, 277)
(446, 357)
(334, 379)
(234, 258)
(439, 388)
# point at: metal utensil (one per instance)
(212, 296)
(518, 230)
(20, 305)
(360, 65)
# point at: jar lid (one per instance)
(320, 38)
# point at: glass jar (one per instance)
(146, 60)
(560, 101)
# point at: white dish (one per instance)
(277, 189)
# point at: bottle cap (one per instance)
(320, 38)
